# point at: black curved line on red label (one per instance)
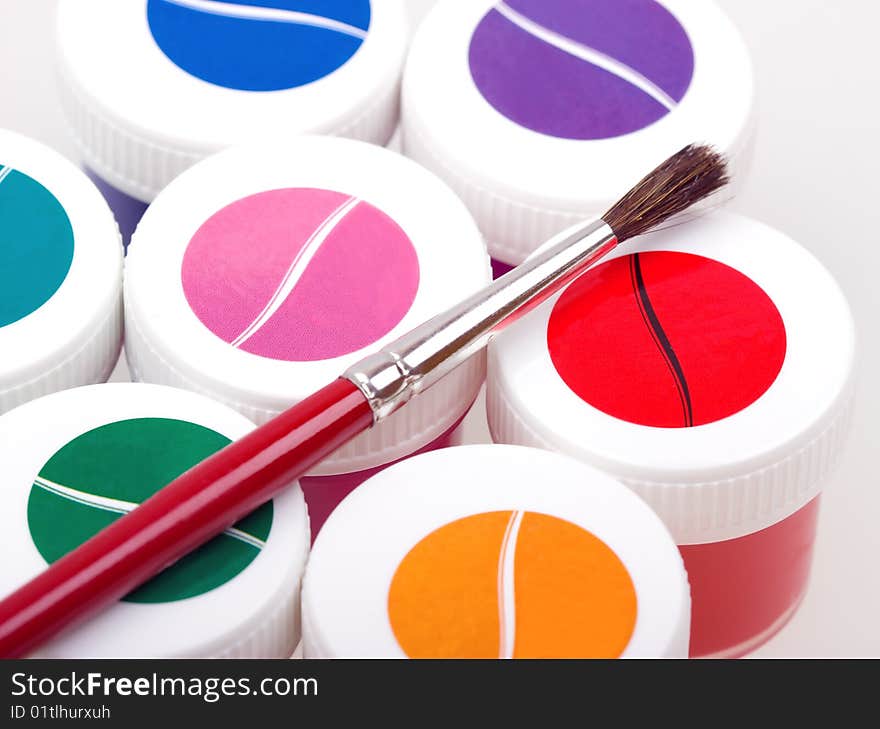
(652, 321)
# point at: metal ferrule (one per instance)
(419, 359)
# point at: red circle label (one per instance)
(667, 340)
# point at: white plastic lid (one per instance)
(263, 273)
(60, 275)
(494, 552)
(74, 461)
(153, 86)
(708, 366)
(417, 10)
(542, 112)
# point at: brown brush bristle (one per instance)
(680, 182)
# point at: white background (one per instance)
(816, 177)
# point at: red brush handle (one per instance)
(194, 508)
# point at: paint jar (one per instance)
(191, 77)
(710, 368)
(541, 113)
(77, 460)
(457, 554)
(263, 273)
(60, 275)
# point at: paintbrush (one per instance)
(217, 493)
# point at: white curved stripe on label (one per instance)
(117, 506)
(297, 269)
(507, 586)
(272, 15)
(4, 173)
(589, 55)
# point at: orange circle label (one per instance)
(512, 584)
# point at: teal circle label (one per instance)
(36, 245)
(105, 473)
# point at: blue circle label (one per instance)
(36, 245)
(259, 45)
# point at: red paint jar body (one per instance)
(745, 590)
(710, 369)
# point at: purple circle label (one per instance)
(582, 69)
(300, 274)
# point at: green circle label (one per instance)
(36, 245)
(107, 472)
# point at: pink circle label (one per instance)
(300, 274)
